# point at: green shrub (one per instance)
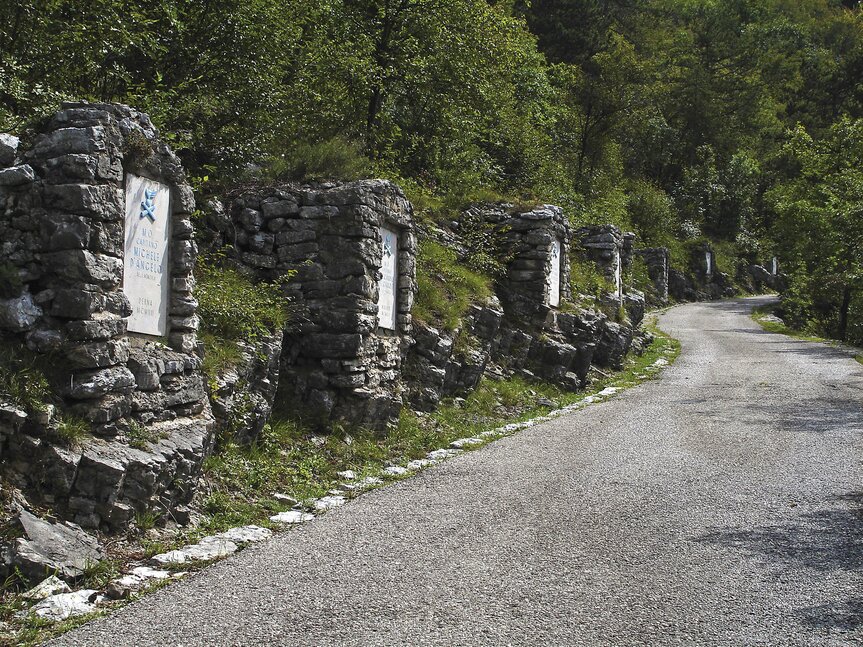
(638, 276)
(487, 251)
(22, 379)
(586, 279)
(220, 354)
(446, 288)
(333, 159)
(72, 430)
(233, 307)
(140, 436)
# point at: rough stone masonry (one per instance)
(531, 327)
(64, 227)
(346, 256)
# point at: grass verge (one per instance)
(765, 316)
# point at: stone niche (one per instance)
(657, 261)
(704, 261)
(603, 245)
(346, 256)
(96, 224)
(537, 273)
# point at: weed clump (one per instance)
(445, 287)
(22, 379)
(234, 308)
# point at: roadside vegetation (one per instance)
(770, 318)
(446, 288)
(234, 308)
(241, 482)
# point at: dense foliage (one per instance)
(679, 118)
(233, 309)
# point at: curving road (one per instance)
(719, 505)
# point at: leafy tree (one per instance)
(820, 227)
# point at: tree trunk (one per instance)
(843, 313)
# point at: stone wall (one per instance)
(62, 225)
(325, 244)
(657, 260)
(243, 395)
(443, 364)
(758, 278)
(701, 280)
(532, 238)
(522, 332)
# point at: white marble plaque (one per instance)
(146, 275)
(618, 275)
(775, 266)
(708, 261)
(553, 277)
(389, 281)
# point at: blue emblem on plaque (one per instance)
(389, 245)
(148, 206)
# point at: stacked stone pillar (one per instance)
(657, 261)
(68, 230)
(537, 273)
(346, 256)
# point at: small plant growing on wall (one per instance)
(138, 148)
(233, 308)
(10, 281)
(487, 250)
(587, 280)
(22, 379)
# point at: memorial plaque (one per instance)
(553, 278)
(146, 276)
(389, 280)
(618, 275)
(708, 260)
(775, 267)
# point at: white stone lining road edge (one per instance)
(140, 577)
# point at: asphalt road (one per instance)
(721, 504)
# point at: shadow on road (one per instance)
(829, 540)
(825, 415)
(844, 616)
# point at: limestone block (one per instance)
(98, 354)
(117, 303)
(45, 547)
(17, 175)
(19, 314)
(95, 329)
(8, 149)
(64, 141)
(182, 200)
(251, 219)
(93, 384)
(83, 266)
(279, 208)
(83, 168)
(102, 202)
